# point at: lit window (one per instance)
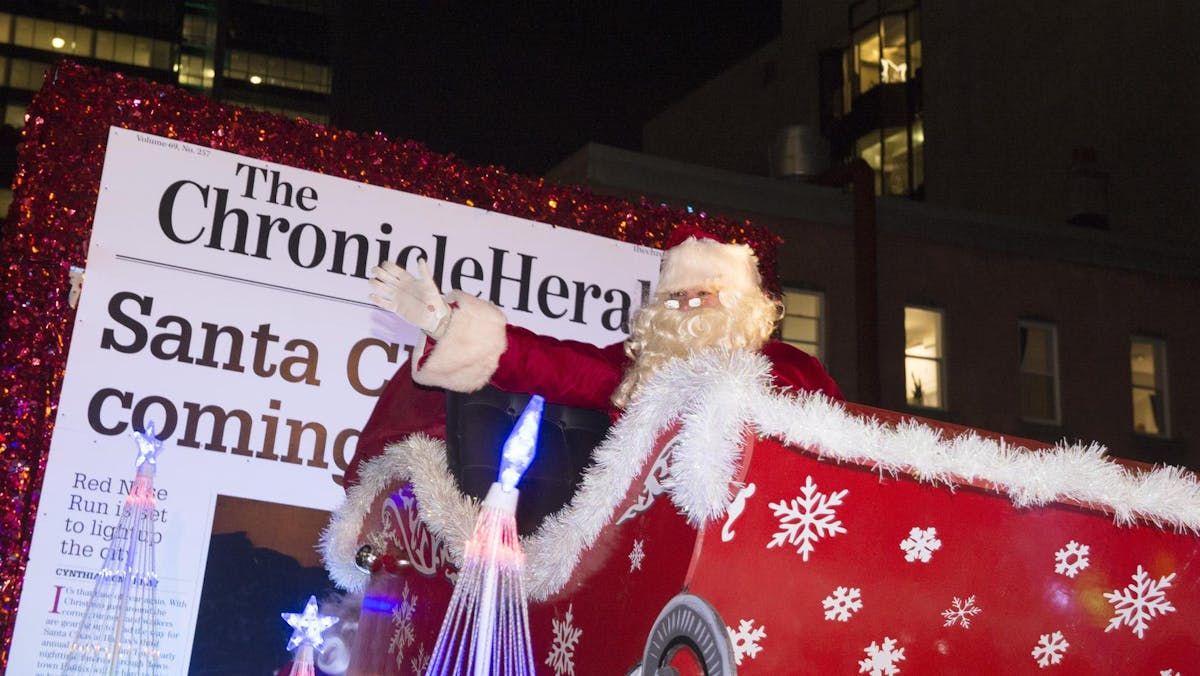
(924, 358)
(65, 38)
(277, 72)
(83, 41)
(23, 31)
(1148, 373)
(1039, 371)
(893, 66)
(195, 71)
(43, 34)
(141, 52)
(865, 58)
(885, 48)
(889, 154)
(802, 321)
(105, 45)
(27, 74)
(123, 48)
(884, 54)
(14, 115)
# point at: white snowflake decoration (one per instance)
(1169, 672)
(1050, 649)
(1071, 559)
(562, 652)
(807, 518)
(881, 660)
(844, 602)
(420, 661)
(636, 555)
(920, 544)
(961, 612)
(745, 640)
(402, 620)
(1139, 602)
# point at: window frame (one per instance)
(1161, 376)
(868, 18)
(1055, 375)
(941, 360)
(821, 354)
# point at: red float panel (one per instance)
(822, 567)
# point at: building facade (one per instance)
(1038, 254)
(1064, 113)
(981, 320)
(267, 55)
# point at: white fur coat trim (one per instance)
(418, 459)
(339, 541)
(718, 397)
(465, 358)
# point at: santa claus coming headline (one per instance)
(229, 348)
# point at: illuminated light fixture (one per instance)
(209, 72)
(255, 79)
(308, 626)
(175, 68)
(486, 628)
(149, 446)
(521, 445)
(57, 42)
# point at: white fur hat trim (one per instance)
(710, 265)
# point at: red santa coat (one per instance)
(481, 348)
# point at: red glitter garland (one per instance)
(50, 221)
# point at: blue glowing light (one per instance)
(378, 604)
(521, 445)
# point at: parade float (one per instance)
(724, 527)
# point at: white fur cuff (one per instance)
(466, 357)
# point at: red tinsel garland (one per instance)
(50, 220)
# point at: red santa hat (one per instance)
(696, 259)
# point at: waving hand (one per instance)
(416, 300)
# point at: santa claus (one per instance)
(709, 295)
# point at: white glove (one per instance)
(416, 300)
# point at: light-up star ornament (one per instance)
(308, 626)
(521, 445)
(149, 446)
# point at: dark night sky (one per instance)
(524, 85)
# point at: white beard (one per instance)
(661, 334)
